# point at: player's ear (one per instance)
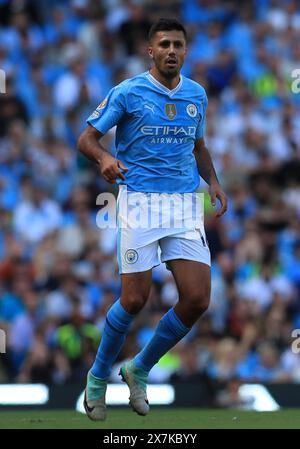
(150, 52)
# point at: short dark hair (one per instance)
(166, 25)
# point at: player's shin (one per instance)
(117, 325)
(169, 331)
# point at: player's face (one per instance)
(168, 50)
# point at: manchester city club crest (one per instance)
(131, 256)
(191, 109)
(170, 110)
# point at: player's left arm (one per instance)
(207, 172)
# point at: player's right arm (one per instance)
(89, 145)
(107, 114)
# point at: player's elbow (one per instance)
(84, 139)
(90, 136)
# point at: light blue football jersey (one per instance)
(156, 132)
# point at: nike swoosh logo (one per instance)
(87, 408)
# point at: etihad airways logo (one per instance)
(160, 130)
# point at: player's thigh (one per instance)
(134, 257)
(193, 279)
(189, 261)
(193, 283)
(136, 275)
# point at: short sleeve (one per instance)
(201, 126)
(110, 110)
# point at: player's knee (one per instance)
(198, 303)
(134, 303)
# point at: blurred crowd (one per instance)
(58, 270)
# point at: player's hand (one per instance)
(216, 192)
(111, 169)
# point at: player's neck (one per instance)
(170, 83)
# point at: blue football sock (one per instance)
(115, 330)
(168, 332)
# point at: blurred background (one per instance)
(58, 271)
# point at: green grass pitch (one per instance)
(167, 418)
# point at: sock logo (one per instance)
(131, 256)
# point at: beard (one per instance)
(169, 73)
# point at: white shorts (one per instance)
(142, 246)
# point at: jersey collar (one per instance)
(156, 83)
